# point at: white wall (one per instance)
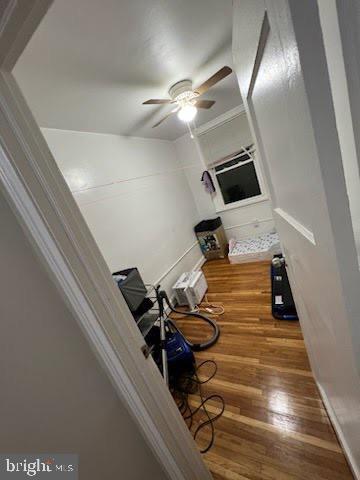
(344, 123)
(189, 154)
(224, 136)
(241, 222)
(56, 397)
(135, 198)
(248, 221)
(142, 197)
(304, 166)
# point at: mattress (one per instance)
(254, 249)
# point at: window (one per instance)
(237, 177)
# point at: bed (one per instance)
(254, 249)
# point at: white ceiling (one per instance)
(92, 63)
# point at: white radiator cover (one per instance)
(190, 288)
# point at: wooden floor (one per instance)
(275, 426)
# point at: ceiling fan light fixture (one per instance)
(187, 113)
(186, 98)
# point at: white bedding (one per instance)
(253, 249)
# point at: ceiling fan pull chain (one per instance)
(190, 131)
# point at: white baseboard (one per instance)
(339, 433)
(172, 267)
(199, 263)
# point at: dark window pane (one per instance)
(239, 183)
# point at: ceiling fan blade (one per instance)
(166, 116)
(157, 101)
(204, 103)
(217, 77)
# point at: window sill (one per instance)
(242, 203)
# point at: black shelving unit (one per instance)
(149, 319)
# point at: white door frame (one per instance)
(43, 203)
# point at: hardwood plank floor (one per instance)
(275, 426)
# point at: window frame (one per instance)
(218, 198)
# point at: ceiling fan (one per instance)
(186, 98)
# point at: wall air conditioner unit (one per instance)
(190, 289)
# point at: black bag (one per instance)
(132, 287)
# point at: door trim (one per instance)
(299, 227)
(46, 210)
(264, 34)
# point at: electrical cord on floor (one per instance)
(212, 308)
(184, 389)
(208, 307)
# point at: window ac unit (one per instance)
(190, 289)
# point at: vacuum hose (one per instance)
(194, 346)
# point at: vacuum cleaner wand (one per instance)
(162, 296)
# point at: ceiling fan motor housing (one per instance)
(186, 98)
(182, 92)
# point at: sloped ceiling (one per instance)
(92, 63)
